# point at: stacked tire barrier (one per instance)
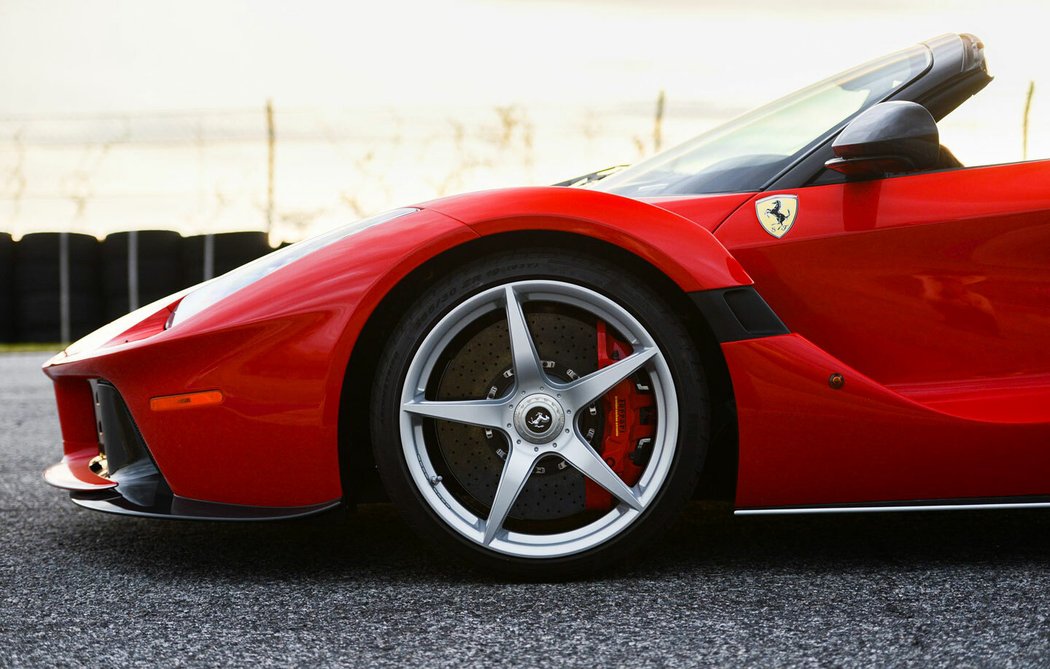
(207, 256)
(140, 267)
(57, 287)
(57, 295)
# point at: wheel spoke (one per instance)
(515, 473)
(542, 411)
(526, 361)
(580, 455)
(483, 413)
(582, 393)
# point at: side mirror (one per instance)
(889, 138)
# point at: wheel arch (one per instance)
(359, 478)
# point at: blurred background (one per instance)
(280, 119)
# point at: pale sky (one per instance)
(60, 57)
(121, 114)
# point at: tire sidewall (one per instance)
(655, 315)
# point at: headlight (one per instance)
(111, 331)
(223, 286)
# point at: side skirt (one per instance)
(917, 505)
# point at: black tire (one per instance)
(38, 290)
(159, 268)
(231, 250)
(628, 292)
(7, 289)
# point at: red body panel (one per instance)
(929, 292)
(682, 248)
(935, 288)
(708, 211)
(80, 438)
(934, 278)
(278, 349)
(804, 443)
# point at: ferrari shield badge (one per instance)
(777, 213)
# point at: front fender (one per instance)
(683, 250)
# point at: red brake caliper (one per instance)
(624, 432)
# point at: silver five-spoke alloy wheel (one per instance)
(539, 416)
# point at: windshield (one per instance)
(747, 153)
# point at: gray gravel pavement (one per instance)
(356, 589)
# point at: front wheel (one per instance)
(540, 414)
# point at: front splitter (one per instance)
(174, 507)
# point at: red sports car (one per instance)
(813, 308)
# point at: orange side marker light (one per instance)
(187, 401)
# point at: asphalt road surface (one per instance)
(356, 589)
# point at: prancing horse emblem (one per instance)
(777, 213)
(539, 421)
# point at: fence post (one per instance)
(658, 123)
(271, 137)
(133, 270)
(63, 286)
(209, 256)
(1024, 123)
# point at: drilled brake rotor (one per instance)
(480, 367)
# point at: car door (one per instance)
(936, 285)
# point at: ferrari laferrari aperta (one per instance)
(813, 308)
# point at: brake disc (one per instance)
(481, 368)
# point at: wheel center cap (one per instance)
(539, 418)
